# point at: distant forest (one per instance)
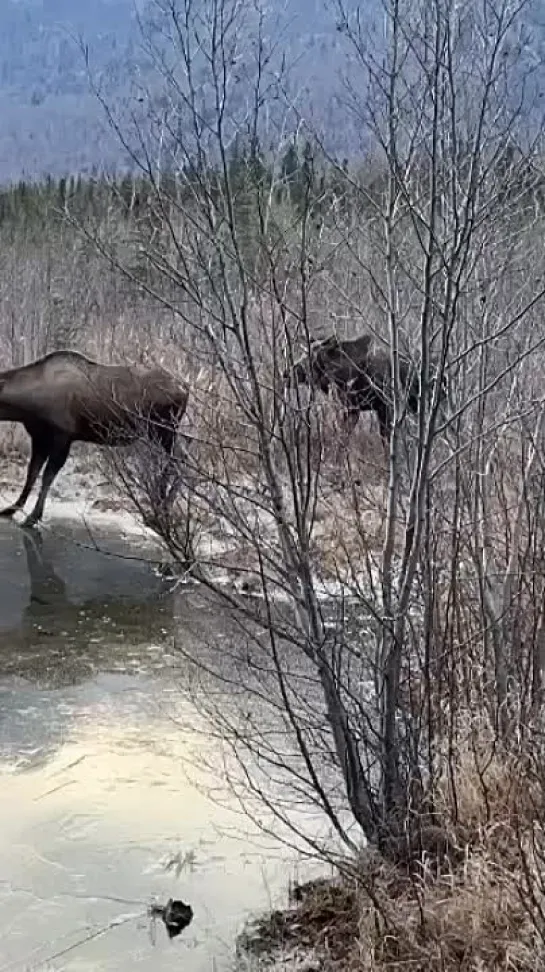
(52, 123)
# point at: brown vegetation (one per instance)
(406, 912)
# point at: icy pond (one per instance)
(95, 741)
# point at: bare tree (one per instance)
(360, 701)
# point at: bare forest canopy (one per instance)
(51, 227)
(55, 53)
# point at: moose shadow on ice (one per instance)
(75, 622)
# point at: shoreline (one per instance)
(79, 495)
(82, 496)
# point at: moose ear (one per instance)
(364, 342)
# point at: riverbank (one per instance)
(79, 493)
(461, 901)
(469, 909)
(311, 934)
(86, 492)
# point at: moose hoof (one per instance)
(31, 521)
(9, 511)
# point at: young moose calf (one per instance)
(361, 376)
(65, 397)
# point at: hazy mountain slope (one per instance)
(51, 123)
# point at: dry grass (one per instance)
(471, 913)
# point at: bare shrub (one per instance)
(390, 674)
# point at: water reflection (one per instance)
(44, 620)
(94, 738)
(70, 635)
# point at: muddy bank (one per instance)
(83, 494)
(315, 932)
(80, 493)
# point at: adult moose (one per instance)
(65, 397)
(361, 376)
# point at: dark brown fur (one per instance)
(65, 397)
(360, 376)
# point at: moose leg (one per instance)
(350, 420)
(385, 425)
(57, 459)
(37, 459)
(166, 436)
